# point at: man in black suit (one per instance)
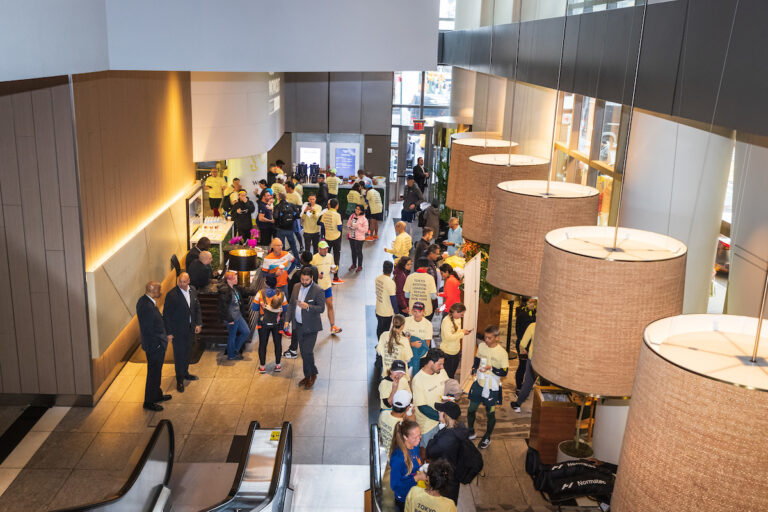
(420, 175)
(200, 272)
(194, 253)
(183, 320)
(154, 342)
(306, 306)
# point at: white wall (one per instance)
(463, 92)
(41, 38)
(53, 37)
(233, 114)
(250, 170)
(490, 96)
(532, 118)
(675, 184)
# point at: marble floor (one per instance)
(89, 451)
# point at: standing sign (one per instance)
(471, 301)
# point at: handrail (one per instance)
(162, 426)
(374, 459)
(280, 474)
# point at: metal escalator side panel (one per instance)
(374, 460)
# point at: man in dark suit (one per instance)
(306, 306)
(420, 175)
(183, 320)
(194, 253)
(200, 272)
(154, 342)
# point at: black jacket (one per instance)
(322, 194)
(412, 195)
(192, 255)
(523, 318)
(199, 275)
(151, 325)
(225, 299)
(421, 250)
(180, 319)
(446, 444)
(244, 218)
(419, 176)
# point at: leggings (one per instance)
(490, 413)
(335, 246)
(311, 240)
(277, 339)
(356, 247)
(452, 364)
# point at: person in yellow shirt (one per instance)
(394, 345)
(491, 364)
(331, 224)
(420, 287)
(278, 186)
(297, 186)
(386, 298)
(439, 477)
(215, 186)
(451, 333)
(428, 386)
(354, 198)
(323, 261)
(291, 195)
(375, 209)
(333, 183)
(391, 416)
(310, 217)
(526, 349)
(395, 380)
(402, 244)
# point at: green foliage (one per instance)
(470, 249)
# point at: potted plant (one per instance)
(489, 308)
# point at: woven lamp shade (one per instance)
(514, 262)
(461, 150)
(695, 436)
(594, 304)
(485, 172)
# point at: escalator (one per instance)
(261, 482)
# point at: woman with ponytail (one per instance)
(393, 344)
(404, 461)
(451, 333)
(439, 476)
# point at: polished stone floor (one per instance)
(89, 452)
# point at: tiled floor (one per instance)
(91, 450)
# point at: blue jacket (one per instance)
(399, 479)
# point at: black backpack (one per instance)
(226, 203)
(470, 462)
(422, 218)
(286, 215)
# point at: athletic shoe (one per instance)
(515, 406)
(370, 238)
(336, 280)
(352, 268)
(472, 434)
(262, 369)
(359, 269)
(278, 368)
(335, 330)
(484, 443)
(290, 354)
(376, 237)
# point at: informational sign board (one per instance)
(346, 161)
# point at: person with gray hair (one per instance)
(200, 272)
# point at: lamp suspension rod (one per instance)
(760, 319)
(514, 85)
(557, 100)
(629, 130)
(488, 82)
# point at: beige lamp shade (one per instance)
(594, 303)
(461, 150)
(484, 173)
(523, 214)
(695, 437)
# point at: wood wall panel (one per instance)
(9, 361)
(134, 151)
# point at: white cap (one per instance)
(402, 399)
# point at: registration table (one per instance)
(344, 190)
(217, 229)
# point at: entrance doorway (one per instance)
(412, 145)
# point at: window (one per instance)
(447, 15)
(437, 86)
(407, 88)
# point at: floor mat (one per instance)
(139, 356)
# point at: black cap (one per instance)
(270, 280)
(418, 305)
(409, 176)
(450, 409)
(398, 366)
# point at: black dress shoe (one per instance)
(153, 407)
(180, 387)
(191, 377)
(303, 382)
(165, 398)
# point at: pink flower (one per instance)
(236, 240)
(252, 242)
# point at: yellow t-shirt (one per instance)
(385, 389)
(419, 500)
(217, 185)
(527, 342)
(401, 246)
(450, 340)
(427, 390)
(422, 329)
(387, 424)
(277, 188)
(293, 198)
(374, 200)
(497, 357)
(420, 286)
(299, 189)
(325, 265)
(310, 218)
(354, 197)
(331, 220)
(385, 288)
(333, 184)
(402, 351)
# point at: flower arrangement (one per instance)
(252, 242)
(236, 240)
(470, 249)
(255, 233)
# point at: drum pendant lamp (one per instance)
(458, 173)
(524, 212)
(599, 288)
(695, 436)
(483, 174)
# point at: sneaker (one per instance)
(370, 239)
(336, 280)
(376, 237)
(278, 368)
(472, 434)
(515, 406)
(290, 354)
(335, 330)
(352, 268)
(359, 269)
(484, 443)
(262, 369)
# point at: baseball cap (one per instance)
(402, 399)
(418, 305)
(333, 171)
(368, 185)
(398, 366)
(409, 176)
(322, 245)
(450, 409)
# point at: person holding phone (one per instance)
(303, 317)
(326, 267)
(451, 333)
(491, 364)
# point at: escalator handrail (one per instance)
(162, 425)
(374, 458)
(282, 462)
